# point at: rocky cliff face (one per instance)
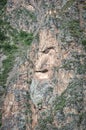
(48, 90)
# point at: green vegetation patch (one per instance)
(75, 64)
(81, 69)
(43, 122)
(10, 40)
(2, 35)
(2, 3)
(74, 27)
(60, 104)
(74, 89)
(26, 38)
(84, 43)
(8, 47)
(77, 32)
(7, 66)
(32, 16)
(68, 4)
(82, 117)
(23, 12)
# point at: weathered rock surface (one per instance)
(49, 88)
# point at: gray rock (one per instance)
(41, 91)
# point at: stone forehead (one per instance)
(47, 34)
(47, 39)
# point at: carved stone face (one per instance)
(43, 88)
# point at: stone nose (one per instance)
(45, 63)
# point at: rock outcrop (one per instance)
(48, 91)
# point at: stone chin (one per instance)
(40, 92)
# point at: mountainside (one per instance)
(43, 65)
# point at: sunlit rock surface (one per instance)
(48, 91)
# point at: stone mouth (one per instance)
(42, 71)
